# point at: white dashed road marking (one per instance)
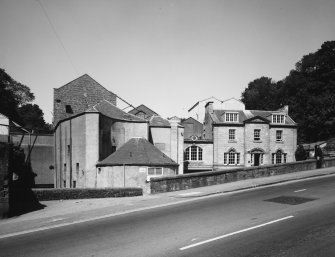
(234, 233)
(299, 190)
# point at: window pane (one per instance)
(199, 154)
(159, 171)
(257, 134)
(278, 157)
(193, 153)
(231, 134)
(151, 171)
(279, 135)
(187, 154)
(231, 159)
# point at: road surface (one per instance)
(293, 219)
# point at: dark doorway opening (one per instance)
(256, 159)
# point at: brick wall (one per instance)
(80, 94)
(187, 181)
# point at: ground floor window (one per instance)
(279, 157)
(193, 153)
(232, 157)
(155, 172)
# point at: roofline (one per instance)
(159, 126)
(97, 112)
(137, 164)
(83, 76)
(199, 141)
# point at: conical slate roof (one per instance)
(137, 152)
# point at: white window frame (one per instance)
(155, 173)
(279, 138)
(196, 155)
(279, 157)
(278, 118)
(232, 158)
(231, 116)
(257, 135)
(231, 134)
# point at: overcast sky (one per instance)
(165, 54)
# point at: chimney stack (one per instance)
(209, 107)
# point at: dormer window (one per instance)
(231, 117)
(278, 118)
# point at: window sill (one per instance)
(257, 141)
(280, 142)
(232, 141)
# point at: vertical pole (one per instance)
(124, 175)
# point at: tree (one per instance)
(15, 101)
(261, 94)
(32, 117)
(12, 95)
(309, 90)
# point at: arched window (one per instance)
(231, 157)
(279, 157)
(193, 153)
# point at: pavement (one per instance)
(68, 212)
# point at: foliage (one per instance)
(48, 194)
(260, 95)
(300, 153)
(15, 101)
(32, 117)
(309, 90)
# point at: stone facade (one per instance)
(244, 138)
(80, 142)
(77, 96)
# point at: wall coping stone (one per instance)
(233, 170)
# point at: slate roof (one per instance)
(108, 109)
(247, 115)
(142, 108)
(137, 152)
(158, 121)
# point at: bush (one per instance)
(47, 194)
(300, 153)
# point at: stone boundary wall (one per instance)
(194, 180)
(48, 194)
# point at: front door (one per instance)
(256, 159)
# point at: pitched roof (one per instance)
(248, 115)
(144, 109)
(138, 152)
(84, 80)
(108, 109)
(158, 121)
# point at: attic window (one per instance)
(278, 118)
(68, 109)
(231, 117)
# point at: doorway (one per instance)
(256, 159)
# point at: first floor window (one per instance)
(231, 158)
(257, 134)
(279, 135)
(193, 153)
(231, 134)
(279, 157)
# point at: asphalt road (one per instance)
(239, 224)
